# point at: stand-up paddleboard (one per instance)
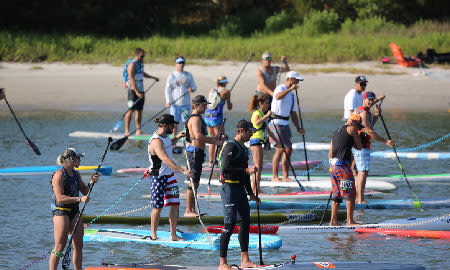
(376, 204)
(319, 184)
(265, 229)
(408, 233)
(311, 146)
(281, 196)
(36, 170)
(370, 178)
(191, 240)
(441, 223)
(416, 155)
(266, 166)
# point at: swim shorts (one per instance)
(342, 181)
(362, 159)
(132, 98)
(284, 131)
(196, 157)
(164, 191)
(180, 112)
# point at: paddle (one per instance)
(67, 254)
(119, 143)
(259, 224)
(120, 122)
(302, 188)
(215, 156)
(326, 208)
(242, 70)
(30, 143)
(398, 159)
(303, 135)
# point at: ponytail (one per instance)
(256, 99)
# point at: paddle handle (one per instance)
(303, 136)
(242, 70)
(215, 156)
(326, 208)
(259, 223)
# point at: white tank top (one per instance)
(163, 170)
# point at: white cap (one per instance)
(295, 75)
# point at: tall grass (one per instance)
(354, 42)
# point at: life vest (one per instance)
(138, 74)
(204, 130)
(365, 138)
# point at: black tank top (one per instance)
(342, 144)
(204, 130)
(71, 187)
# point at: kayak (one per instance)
(265, 229)
(191, 240)
(266, 166)
(35, 170)
(377, 204)
(441, 223)
(280, 196)
(265, 218)
(408, 233)
(370, 178)
(320, 184)
(418, 155)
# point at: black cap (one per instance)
(245, 125)
(200, 99)
(71, 153)
(167, 119)
(361, 78)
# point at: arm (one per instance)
(227, 96)
(282, 94)
(158, 147)
(175, 138)
(285, 67)
(194, 126)
(168, 91)
(146, 75)
(260, 120)
(353, 131)
(262, 86)
(192, 87)
(297, 123)
(368, 129)
(330, 153)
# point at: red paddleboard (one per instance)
(408, 233)
(253, 229)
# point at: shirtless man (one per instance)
(267, 74)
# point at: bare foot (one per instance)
(361, 202)
(354, 223)
(276, 179)
(224, 267)
(287, 179)
(176, 238)
(249, 264)
(190, 214)
(335, 224)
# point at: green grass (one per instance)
(36, 68)
(294, 43)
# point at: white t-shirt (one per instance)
(284, 106)
(167, 143)
(177, 84)
(352, 100)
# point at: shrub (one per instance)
(278, 22)
(227, 28)
(320, 22)
(368, 25)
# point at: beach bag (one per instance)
(214, 99)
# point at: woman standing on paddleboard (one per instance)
(66, 185)
(259, 105)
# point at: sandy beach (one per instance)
(76, 87)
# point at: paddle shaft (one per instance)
(30, 143)
(287, 157)
(215, 156)
(242, 70)
(66, 258)
(259, 224)
(326, 209)
(303, 136)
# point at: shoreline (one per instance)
(99, 87)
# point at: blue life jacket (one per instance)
(139, 69)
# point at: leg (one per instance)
(230, 215)
(213, 132)
(173, 220)
(158, 185)
(138, 119)
(285, 164)
(155, 216)
(334, 210)
(60, 230)
(350, 210)
(275, 161)
(127, 122)
(257, 153)
(360, 186)
(190, 201)
(77, 242)
(244, 231)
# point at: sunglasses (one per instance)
(363, 84)
(268, 58)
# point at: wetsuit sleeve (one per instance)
(227, 158)
(248, 185)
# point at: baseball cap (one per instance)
(167, 119)
(369, 95)
(266, 56)
(245, 125)
(221, 79)
(361, 78)
(295, 75)
(70, 153)
(180, 60)
(200, 99)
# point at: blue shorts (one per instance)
(214, 121)
(164, 191)
(256, 141)
(362, 159)
(180, 112)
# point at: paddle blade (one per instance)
(34, 147)
(115, 146)
(117, 125)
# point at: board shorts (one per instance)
(132, 97)
(196, 157)
(214, 121)
(284, 132)
(65, 211)
(164, 191)
(342, 181)
(256, 141)
(234, 199)
(180, 112)
(362, 159)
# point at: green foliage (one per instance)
(320, 22)
(369, 25)
(278, 22)
(227, 28)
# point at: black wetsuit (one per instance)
(236, 185)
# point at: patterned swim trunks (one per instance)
(164, 191)
(342, 181)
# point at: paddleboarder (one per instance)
(178, 83)
(259, 106)
(340, 156)
(135, 83)
(235, 178)
(217, 98)
(2, 93)
(66, 186)
(266, 75)
(283, 108)
(196, 138)
(362, 157)
(164, 185)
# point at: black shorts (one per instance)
(196, 160)
(132, 97)
(71, 214)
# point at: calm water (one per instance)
(25, 216)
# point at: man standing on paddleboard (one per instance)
(340, 156)
(164, 186)
(362, 157)
(266, 75)
(235, 178)
(196, 138)
(135, 84)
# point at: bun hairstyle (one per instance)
(59, 160)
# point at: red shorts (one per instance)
(342, 181)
